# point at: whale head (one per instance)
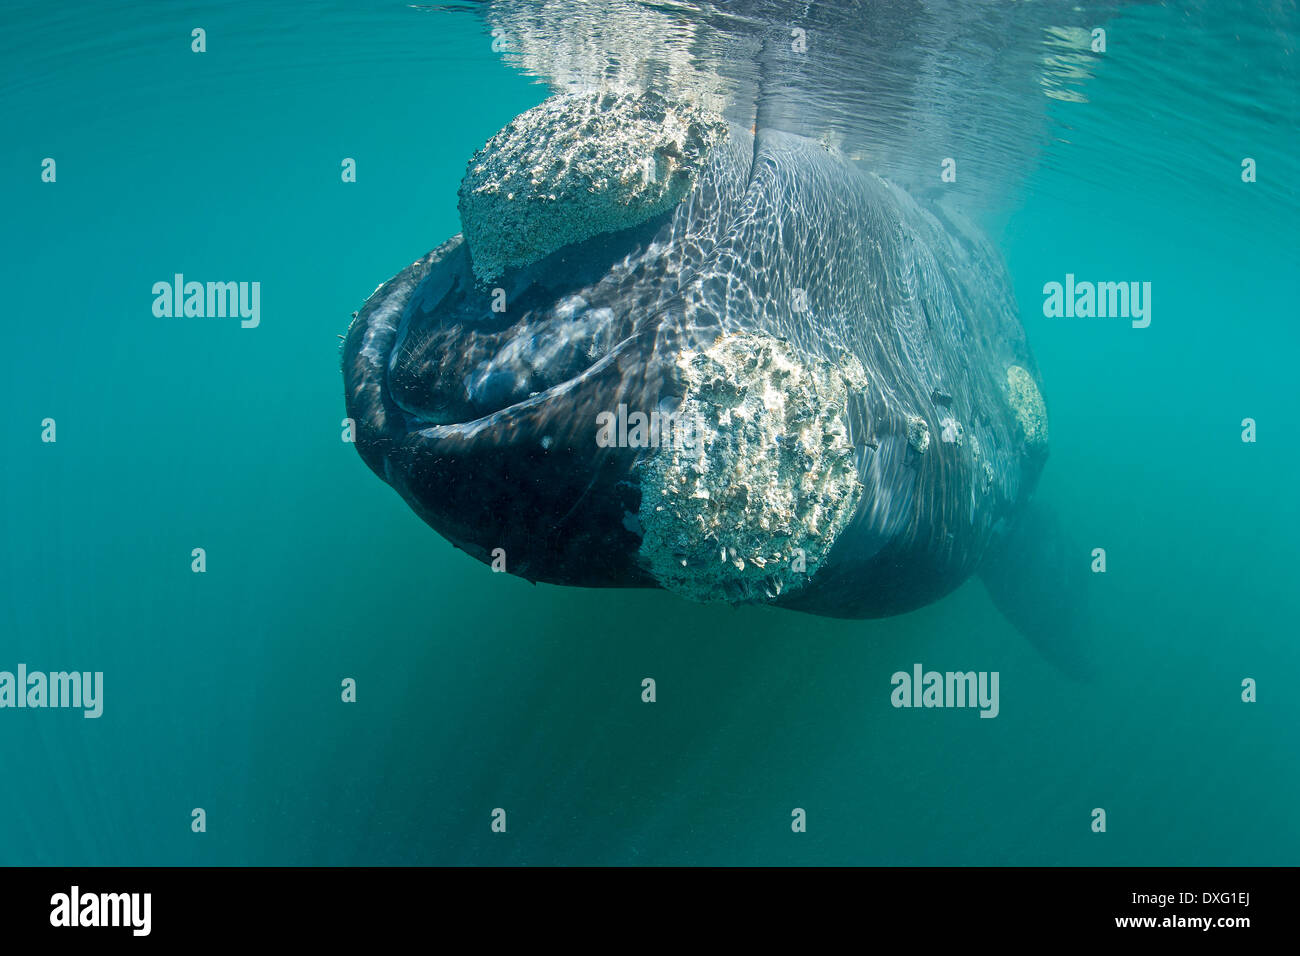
(667, 351)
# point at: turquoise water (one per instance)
(478, 690)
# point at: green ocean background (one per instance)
(478, 691)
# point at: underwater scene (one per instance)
(650, 433)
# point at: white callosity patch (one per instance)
(578, 166)
(770, 476)
(1027, 403)
(918, 433)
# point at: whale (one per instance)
(856, 424)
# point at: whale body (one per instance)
(866, 421)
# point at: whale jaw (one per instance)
(524, 485)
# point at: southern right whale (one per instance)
(867, 422)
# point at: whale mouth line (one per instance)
(471, 427)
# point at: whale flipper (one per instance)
(1039, 581)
